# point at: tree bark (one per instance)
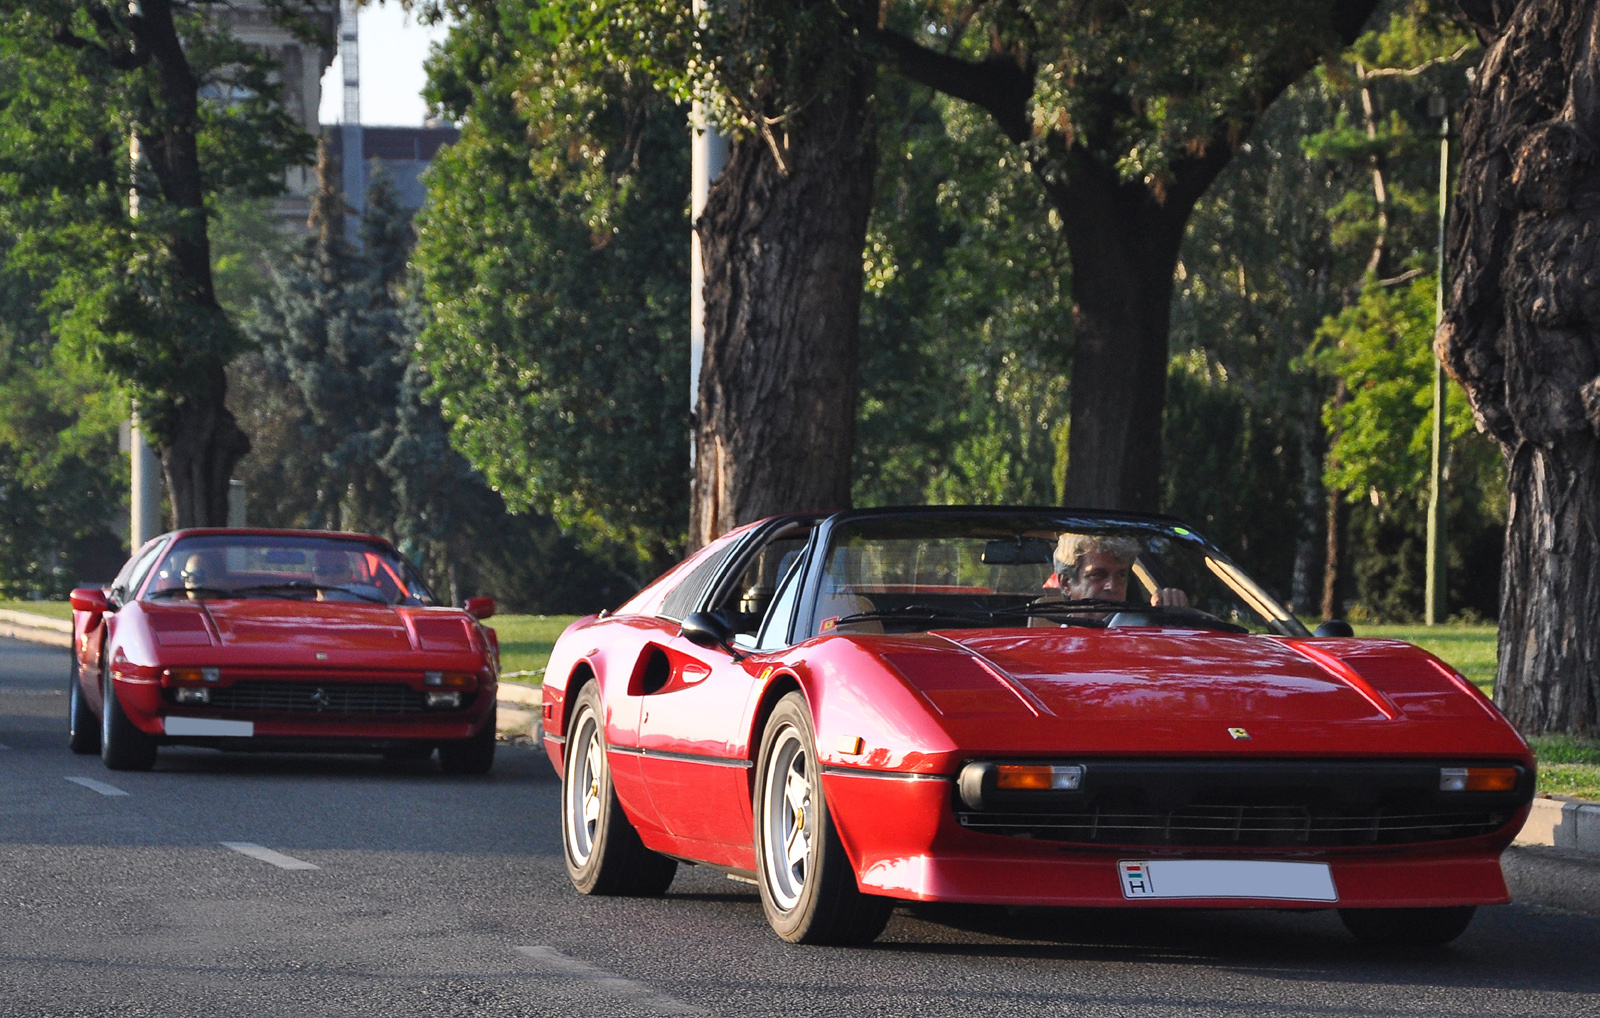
(1521, 333)
(200, 441)
(775, 418)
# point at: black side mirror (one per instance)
(708, 629)
(1334, 627)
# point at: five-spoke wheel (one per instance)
(603, 851)
(808, 890)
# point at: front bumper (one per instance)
(903, 840)
(145, 704)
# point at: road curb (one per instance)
(519, 708)
(1566, 824)
(35, 628)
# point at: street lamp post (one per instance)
(1435, 596)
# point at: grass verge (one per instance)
(525, 643)
(53, 609)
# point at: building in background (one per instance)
(404, 152)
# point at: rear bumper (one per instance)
(903, 841)
(142, 701)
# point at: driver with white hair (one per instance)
(1097, 567)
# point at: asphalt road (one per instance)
(360, 887)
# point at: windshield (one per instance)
(297, 567)
(911, 573)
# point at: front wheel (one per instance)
(808, 890)
(603, 850)
(123, 747)
(1407, 927)
(83, 728)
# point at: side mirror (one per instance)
(1334, 627)
(708, 629)
(93, 601)
(479, 608)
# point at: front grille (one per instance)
(317, 698)
(1244, 825)
(1255, 804)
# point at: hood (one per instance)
(314, 625)
(1146, 690)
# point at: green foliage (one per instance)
(553, 255)
(964, 313)
(116, 286)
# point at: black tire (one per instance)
(603, 851)
(817, 900)
(474, 755)
(83, 728)
(123, 747)
(1407, 927)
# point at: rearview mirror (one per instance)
(479, 608)
(1334, 627)
(708, 629)
(1019, 551)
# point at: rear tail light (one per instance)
(1478, 779)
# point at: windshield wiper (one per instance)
(188, 591)
(916, 611)
(307, 587)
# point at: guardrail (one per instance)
(35, 628)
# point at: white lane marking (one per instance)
(615, 985)
(97, 786)
(267, 855)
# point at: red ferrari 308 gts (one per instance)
(279, 640)
(1023, 707)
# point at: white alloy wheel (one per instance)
(585, 786)
(789, 817)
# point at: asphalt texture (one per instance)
(414, 893)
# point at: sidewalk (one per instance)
(35, 628)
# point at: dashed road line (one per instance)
(267, 855)
(97, 786)
(607, 982)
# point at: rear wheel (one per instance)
(474, 755)
(808, 890)
(1407, 927)
(83, 728)
(603, 850)
(123, 747)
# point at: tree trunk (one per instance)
(200, 441)
(1305, 545)
(1521, 333)
(775, 419)
(1124, 243)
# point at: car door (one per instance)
(693, 753)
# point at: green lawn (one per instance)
(54, 609)
(525, 642)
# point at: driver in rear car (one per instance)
(1097, 567)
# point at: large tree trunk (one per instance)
(1521, 333)
(775, 421)
(200, 441)
(1124, 245)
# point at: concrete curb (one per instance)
(1568, 824)
(35, 628)
(519, 709)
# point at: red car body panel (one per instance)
(683, 723)
(299, 641)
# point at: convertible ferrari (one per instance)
(1020, 707)
(279, 640)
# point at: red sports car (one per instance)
(1025, 707)
(279, 640)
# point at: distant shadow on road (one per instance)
(513, 765)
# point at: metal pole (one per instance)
(1435, 596)
(354, 155)
(708, 155)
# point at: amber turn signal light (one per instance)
(1038, 777)
(1477, 779)
(449, 680)
(192, 674)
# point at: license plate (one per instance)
(210, 726)
(1226, 878)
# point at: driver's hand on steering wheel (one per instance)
(1169, 597)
